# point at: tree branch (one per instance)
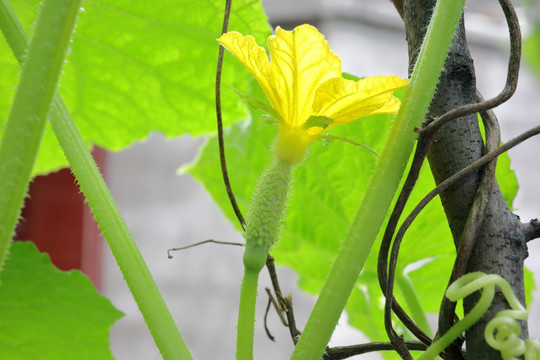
(531, 230)
(500, 246)
(344, 352)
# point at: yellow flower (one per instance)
(303, 82)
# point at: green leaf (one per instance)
(505, 176)
(350, 77)
(259, 104)
(137, 67)
(326, 190)
(318, 121)
(531, 49)
(49, 314)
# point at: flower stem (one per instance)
(246, 315)
(383, 183)
(144, 290)
(262, 230)
(26, 121)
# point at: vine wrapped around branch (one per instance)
(502, 332)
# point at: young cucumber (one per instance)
(265, 214)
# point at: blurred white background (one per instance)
(165, 210)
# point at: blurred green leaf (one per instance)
(531, 49)
(137, 67)
(49, 314)
(327, 189)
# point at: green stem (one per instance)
(246, 315)
(28, 115)
(129, 259)
(13, 31)
(262, 229)
(157, 316)
(383, 183)
(412, 300)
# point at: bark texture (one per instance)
(501, 245)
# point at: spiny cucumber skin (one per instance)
(265, 214)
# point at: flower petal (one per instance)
(301, 60)
(346, 100)
(253, 57)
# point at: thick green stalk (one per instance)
(26, 120)
(131, 263)
(383, 183)
(262, 229)
(157, 316)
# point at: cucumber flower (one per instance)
(303, 82)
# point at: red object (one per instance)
(56, 218)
